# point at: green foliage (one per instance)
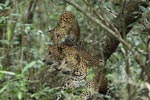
(14, 88)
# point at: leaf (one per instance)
(7, 3)
(4, 42)
(7, 72)
(20, 95)
(1, 8)
(143, 8)
(28, 66)
(3, 89)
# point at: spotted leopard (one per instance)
(75, 63)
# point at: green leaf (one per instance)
(3, 89)
(4, 42)
(143, 8)
(28, 66)
(7, 72)
(20, 95)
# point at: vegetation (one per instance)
(116, 31)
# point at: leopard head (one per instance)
(59, 35)
(53, 55)
(58, 53)
(67, 29)
(66, 18)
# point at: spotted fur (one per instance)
(67, 30)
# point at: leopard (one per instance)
(75, 63)
(67, 30)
